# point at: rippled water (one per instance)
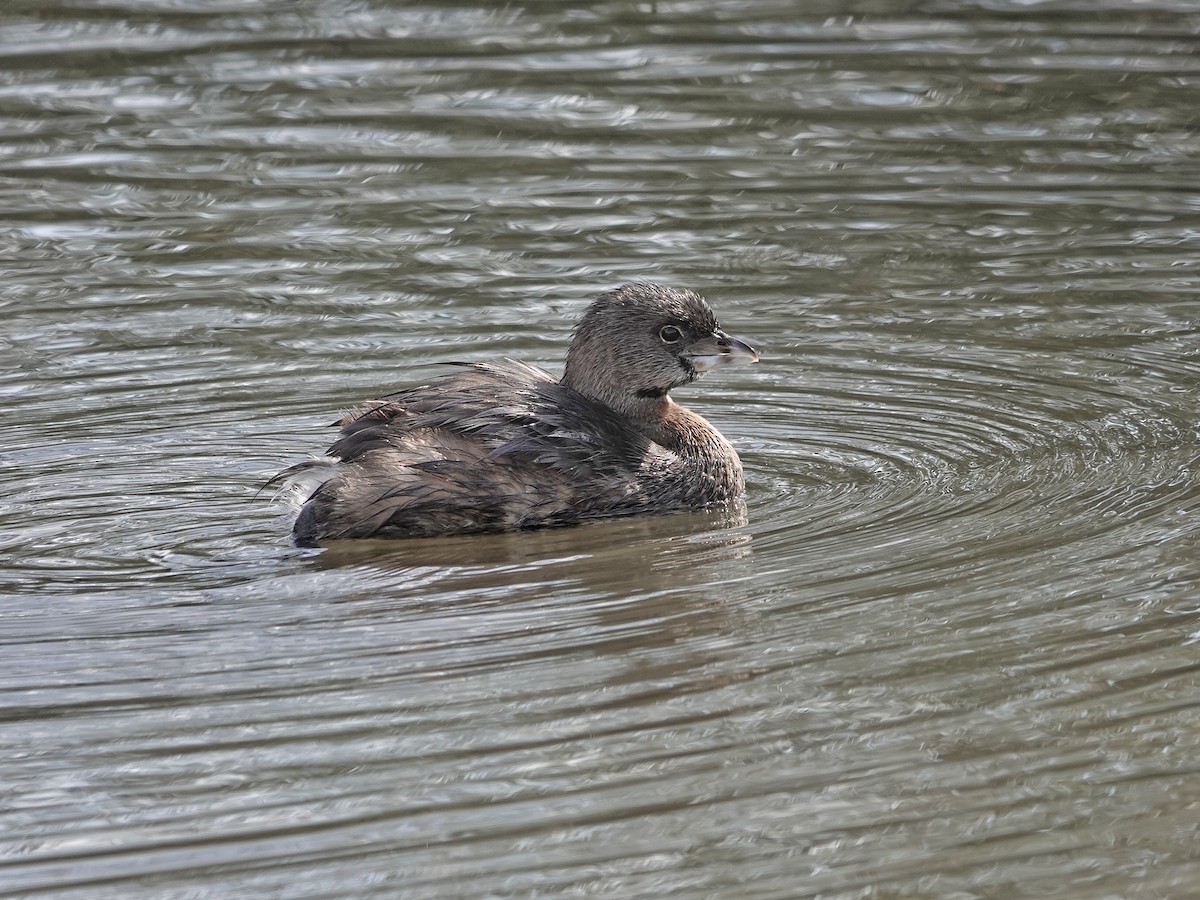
(951, 652)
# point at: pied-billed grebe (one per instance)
(506, 446)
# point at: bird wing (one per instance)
(495, 446)
(513, 410)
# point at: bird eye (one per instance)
(669, 334)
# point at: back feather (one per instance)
(496, 446)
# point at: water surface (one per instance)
(951, 651)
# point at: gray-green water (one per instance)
(953, 651)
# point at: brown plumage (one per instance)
(505, 446)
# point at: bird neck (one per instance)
(709, 465)
(679, 429)
(712, 467)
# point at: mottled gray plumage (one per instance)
(505, 446)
